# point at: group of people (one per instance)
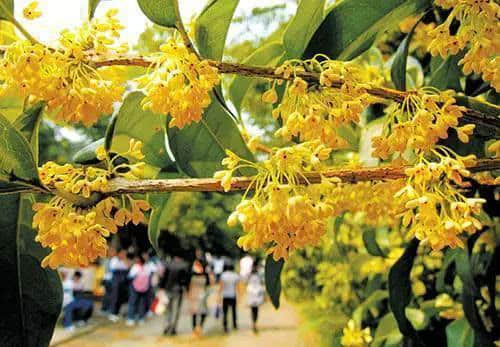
(202, 279)
(210, 285)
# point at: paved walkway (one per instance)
(277, 328)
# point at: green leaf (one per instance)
(31, 296)
(11, 106)
(351, 26)
(144, 125)
(302, 27)
(371, 245)
(417, 317)
(87, 155)
(6, 9)
(16, 158)
(28, 123)
(110, 132)
(199, 148)
(273, 279)
(488, 109)
(158, 204)
(159, 212)
(11, 188)
(92, 7)
(470, 293)
(459, 334)
(266, 55)
(400, 288)
(161, 12)
(371, 301)
(211, 28)
(398, 69)
(387, 333)
(441, 276)
(447, 75)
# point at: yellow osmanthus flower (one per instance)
(421, 36)
(178, 84)
(373, 199)
(419, 122)
(436, 212)
(63, 76)
(282, 213)
(495, 149)
(479, 31)
(31, 11)
(316, 111)
(450, 309)
(353, 336)
(75, 223)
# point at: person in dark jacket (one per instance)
(175, 282)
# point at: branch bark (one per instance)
(470, 115)
(119, 186)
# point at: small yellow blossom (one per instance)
(31, 11)
(353, 336)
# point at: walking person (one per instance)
(255, 294)
(228, 283)
(119, 269)
(198, 295)
(140, 283)
(174, 283)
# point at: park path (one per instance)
(277, 328)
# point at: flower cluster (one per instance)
(419, 122)
(75, 223)
(282, 212)
(373, 199)
(178, 84)
(479, 31)
(312, 111)
(63, 76)
(436, 212)
(353, 336)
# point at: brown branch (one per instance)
(470, 115)
(119, 186)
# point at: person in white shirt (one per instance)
(228, 283)
(255, 294)
(246, 264)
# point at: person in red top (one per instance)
(140, 282)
